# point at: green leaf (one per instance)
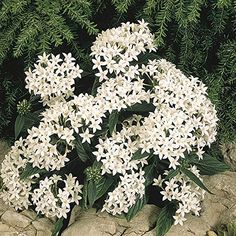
(96, 84)
(19, 124)
(139, 155)
(58, 226)
(92, 193)
(85, 194)
(136, 208)
(209, 165)
(113, 119)
(30, 170)
(150, 172)
(81, 150)
(102, 186)
(141, 107)
(195, 179)
(165, 219)
(172, 174)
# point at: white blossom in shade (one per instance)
(130, 188)
(184, 119)
(114, 49)
(40, 150)
(116, 154)
(53, 78)
(183, 190)
(53, 200)
(15, 191)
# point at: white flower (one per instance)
(86, 136)
(179, 219)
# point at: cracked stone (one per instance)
(14, 218)
(91, 223)
(29, 231)
(43, 224)
(30, 214)
(43, 233)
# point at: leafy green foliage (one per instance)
(165, 219)
(29, 170)
(19, 124)
(94, 190)
(102, 186)
(58, 226)
(113, 120)
(32, 26)
(195, 179)
(82, 153)
(136, 208)
(209, 165)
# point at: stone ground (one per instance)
(219, 208)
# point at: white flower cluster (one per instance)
(180, 188)
(116, 154)
(49, 198)
(53, 200)
(15, 191)
(183, 121)
(115, 49)
(53, 78)
(130, 188)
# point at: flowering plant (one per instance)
(146, 125)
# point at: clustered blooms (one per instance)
(180, 188)
(53, 200)
(115, 49)
(15, 191)
(183, 120)
(53, 78)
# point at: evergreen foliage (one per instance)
(196, 35)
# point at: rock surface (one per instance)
(229, 153)
(218, 208)
(25, 223)
(92, 223)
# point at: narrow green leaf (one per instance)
(58, 226)
(195, 179)
(96, 84)
(139, 155)
(172, 174)
(81, 150)
(141, 107)
(92, 193)
(85, 194)
(102, 186)
(136, 208)
(113, 119)
(165, 219)
(209, 165)
(19, 124)
(30, 170)
(149, 174)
